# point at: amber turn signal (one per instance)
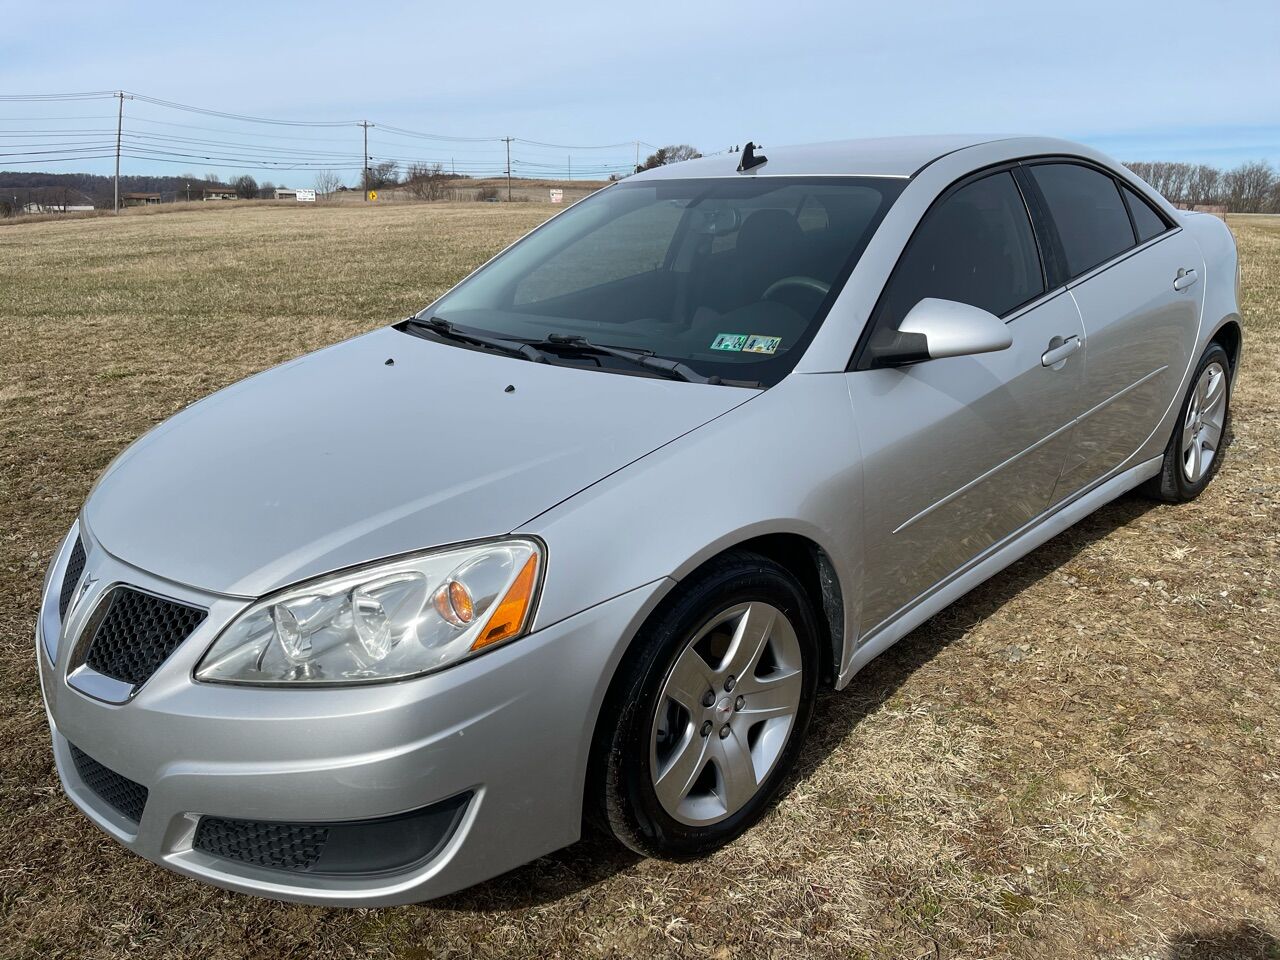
(453, 603)
(508, 619)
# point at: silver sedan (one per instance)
(581, 540)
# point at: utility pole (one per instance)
(637, 167)
(508, 142)
(366, 124)
(119, 125)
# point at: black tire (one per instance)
(1171, 484)
(625, 799)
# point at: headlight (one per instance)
(395, 619)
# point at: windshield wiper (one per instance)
(671, 369)
(443, 328)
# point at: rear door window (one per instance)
(1087, 210)
(1146, 220)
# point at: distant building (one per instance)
(139, 199)
(220, 193)
(284, 193)
(57, 208)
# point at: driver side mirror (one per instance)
(934, 329)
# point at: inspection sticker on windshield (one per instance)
(759, 344)
(729, 341)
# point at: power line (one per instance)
(77, 158)
(242, 133)
(34, 153)
(575, 146)
(173, 105)
(295, 149)
(436, 136)
(46, 97)
(93, 116)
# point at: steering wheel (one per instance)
(804, 283)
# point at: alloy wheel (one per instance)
(725, 713)
(1203, 424)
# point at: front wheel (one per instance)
(709, 710)
(1194, 452)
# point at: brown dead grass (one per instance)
(1079, 759)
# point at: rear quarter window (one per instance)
(1146, 221)
(1088, 212)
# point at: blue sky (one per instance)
(1142, 81)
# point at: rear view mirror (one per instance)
(716, 221)
(934, 329)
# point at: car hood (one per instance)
(377, 446)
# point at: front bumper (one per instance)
(509, 732)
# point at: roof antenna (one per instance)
(749, 158)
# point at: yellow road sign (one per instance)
(373, 194)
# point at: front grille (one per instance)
(116, 791)
(279, 846)
(75, 567)
(137, 634)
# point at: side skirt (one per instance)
(1015, 547)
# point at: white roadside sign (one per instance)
(557, 196)
(306, 196)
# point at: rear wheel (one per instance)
(1195, 449)
(709, 710)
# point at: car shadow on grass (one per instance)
(1244, 941)
(836, 714)
(595, 858)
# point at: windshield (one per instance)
(729, 276)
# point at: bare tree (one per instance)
(672, 153)
(327, 182)
(381, 175)
(245, 186)
(266, 190)
(1204, 185)
(1247, 188)
(1272, 202)
(427, 181)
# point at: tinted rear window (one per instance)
(1148, 223)
(1088, 212)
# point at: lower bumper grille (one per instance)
(118, 792)
(339, 848)
(279, 846)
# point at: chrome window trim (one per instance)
(1120, 258)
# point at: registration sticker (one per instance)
(729, 341)
(758, 344)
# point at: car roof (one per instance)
(872, 157)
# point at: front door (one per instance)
(959, 453)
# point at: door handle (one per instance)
(1185, 278)
(1060, 351)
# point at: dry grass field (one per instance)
(1079, 759)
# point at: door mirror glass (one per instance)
(935, 328)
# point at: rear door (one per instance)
(1137, 280)
(958, 453)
